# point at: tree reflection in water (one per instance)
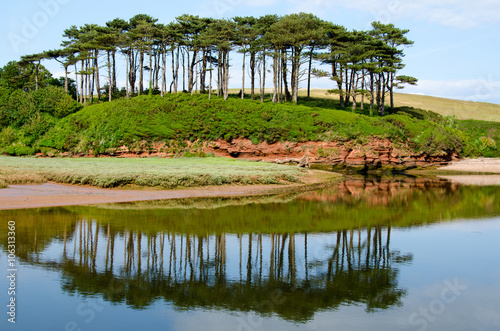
(290, 257)
(301, 272)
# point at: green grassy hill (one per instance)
(140, 122)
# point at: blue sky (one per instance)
(456, 52)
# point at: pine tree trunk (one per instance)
(195, 83)
(36, 76)
(164, 74)
(296, 74)
(243, 77)
(280, 78)
(86, 82)
(66, 78)
(191, 71)
(132, 71)
(176, 86)
(379, 96)
(292, 76)
(263, 83)
(226, 76)
(219, 74)
(110, 87)
(76, 84)
(141, 72)
(392, 90)
(156, 78)
(354, 86)
(114, 69)
(252, 75)
(210, 82)
(363, 88)
(309, 74)
(347, 88)
(339, 83)
(98, 85)
(382, 103)
(288, 96)
(372, 93)
(92, 83)
(151, 83)
(175, 69)
(203, 73)
(82, 91)
(275, 76)
(184, 70)
(128, 76)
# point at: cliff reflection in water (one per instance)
(291, 256)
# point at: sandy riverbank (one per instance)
(489, 167)
(481, 165)
(53, 194)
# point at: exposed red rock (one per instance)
(374, 154)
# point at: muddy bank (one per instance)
(54, 195)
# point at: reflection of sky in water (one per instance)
(463, 250)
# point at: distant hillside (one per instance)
(462, 110)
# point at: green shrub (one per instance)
(20, 150)
(55, 101)
(7, 136)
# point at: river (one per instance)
(399, 253)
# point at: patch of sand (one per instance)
(481, 165)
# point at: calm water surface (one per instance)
(367, 254)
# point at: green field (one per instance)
(146, 172)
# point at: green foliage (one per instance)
(426, 136)
(18, 110)
(19, 150)
(7, 137)
(483, 137)
(23, 76)
(177, 118)
(55, 101)
(59, 82)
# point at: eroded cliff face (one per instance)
(377, 153)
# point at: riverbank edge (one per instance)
(29, 196)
